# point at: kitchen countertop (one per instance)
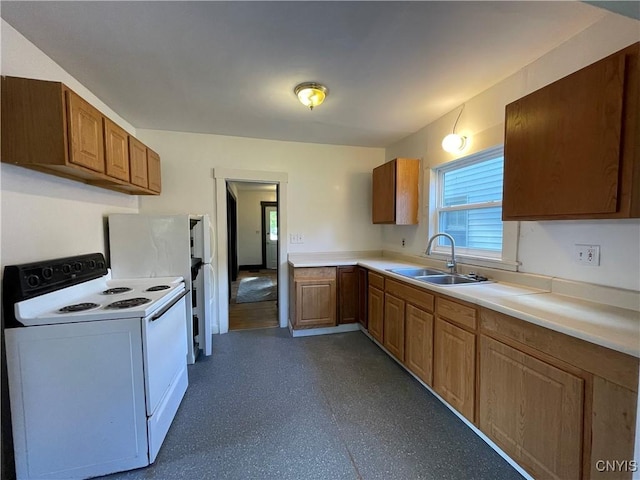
(606, 325)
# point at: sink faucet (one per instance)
(452, 263)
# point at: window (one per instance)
(273, 225)
(468, 204)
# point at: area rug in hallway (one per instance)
(257, 289)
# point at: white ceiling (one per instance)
(230, 67)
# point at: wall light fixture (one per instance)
(454, 143)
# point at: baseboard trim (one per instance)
(309, 332)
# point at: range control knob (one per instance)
(101, 265)
(66, 269)
(77, 267)
(92, 264)
(33, 280)
(47, 273)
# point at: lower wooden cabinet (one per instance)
(393, 338)
(313, 303)
(455, 366)
(376, 313)
(363, 297)
(559, 406)
(418, 353)
(348, 301)
(532, 410)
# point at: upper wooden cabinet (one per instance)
(395, 192)
(153, 171)
(116, 150)
(86, 139)
(571, 148)
(48, 127)
(138, 164)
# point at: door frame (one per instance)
(263, 207)
(232, 235)
(221, 176)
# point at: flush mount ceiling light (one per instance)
(454, 143)
(311, 94)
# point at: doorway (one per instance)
(253, 291)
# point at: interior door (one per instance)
(270, 229)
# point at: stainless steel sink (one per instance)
(416, 272)
(446, 279)
(436, 277)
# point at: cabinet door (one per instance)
(363, 286)
(376, 313)
(532, 410)
(315, 303)
(384, 193)
(455, 366)
(116, 151)
(153, 170)
(419, 343)
(563, 145)
(393, 338)
(86, 140)
(347, 295)
(138, 163)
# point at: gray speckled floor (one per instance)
(268, 406)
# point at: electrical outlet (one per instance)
(587, 254)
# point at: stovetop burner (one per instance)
(115, 291)
(157, 288)
(78, 307)
(128, 303)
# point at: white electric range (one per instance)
(97, 367)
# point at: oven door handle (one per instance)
(170, 306)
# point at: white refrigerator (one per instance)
(146, 246)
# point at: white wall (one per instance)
(45, 216)
(544, 247)
(250, 225)
(329, 186)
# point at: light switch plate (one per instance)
(296, 238)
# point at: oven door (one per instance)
(164, 337)
(165, 375)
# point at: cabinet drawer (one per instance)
(376, 280)
(315, 272)
(456, 312)
(415, 296)
(617, 367)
